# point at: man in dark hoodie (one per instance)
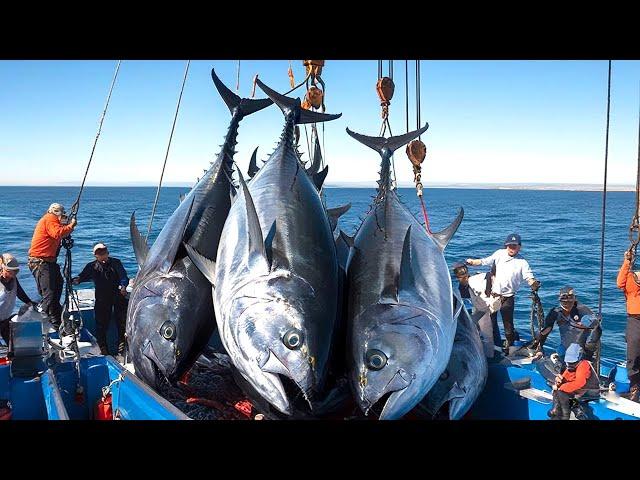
(110, 279)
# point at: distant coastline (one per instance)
(578, 187)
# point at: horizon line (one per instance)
(371, 185)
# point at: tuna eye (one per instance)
(168, 330)
(293, 339)
(376, 360)
(444, 375)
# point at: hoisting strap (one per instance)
(175, 117)
(76, 206)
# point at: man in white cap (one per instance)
(511, 270)
(43, 260)
(110, 279)
(10, 289)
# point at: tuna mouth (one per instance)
(387, 404)
(378, 407)
(292, 389)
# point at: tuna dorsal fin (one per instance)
(392, 143)
(443, 236)
(253, 164)
(334, 214)
(290, 105)
(319, 178)
(275, 248)
(204, 264)
(232, 192)
(254, 232)
(348, 240)
(245, 106)
(317, 159)
(140, 247)
(406, 280)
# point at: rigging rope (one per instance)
(634, 227)
(604, 209)
(70, 325)
(155, 203)
(76, 205)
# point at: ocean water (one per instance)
(560, 233)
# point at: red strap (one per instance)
(244, 407)
(424, 213)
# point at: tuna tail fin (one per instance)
(443, 236)
(245, 106)
(289, 105)
(379, 144)
(140, 247)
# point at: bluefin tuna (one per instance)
(275, 282)
(170, 316)
(400, 313)
(465, 376)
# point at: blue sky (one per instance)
(490, 121)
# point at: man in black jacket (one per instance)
(110, 279)
(576, 323)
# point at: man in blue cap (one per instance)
(576, 323)
(511, 270)
(574, 382)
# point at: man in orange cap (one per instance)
(43, 260)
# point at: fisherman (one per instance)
(10, 289)
(511, 270)
(574, 382)
(43, 256)
(477, 289)
(629, 283)
(111, 280)
(576, 323)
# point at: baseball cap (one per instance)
(513, 239)
(567, 293)
(10, 262)
(573, 353)
(56, 209)
(99, 246)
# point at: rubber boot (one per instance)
(564, 409)
(553, 412)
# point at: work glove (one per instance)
(535, 285)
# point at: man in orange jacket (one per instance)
(575, 380)
(43, 260)
(629, 283)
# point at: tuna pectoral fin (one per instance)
(442, 237)
(288, 105)
(392, 143)
(335, 213)
(140, 247)
(206, 266)
(233, 101)
(456, 391)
